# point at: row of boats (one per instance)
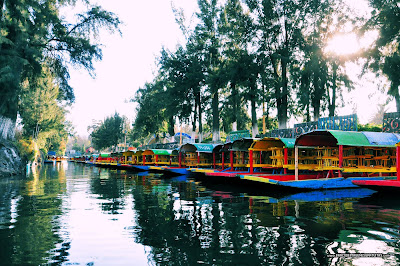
(320, 159)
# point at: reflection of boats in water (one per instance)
(60, 159)
(317, 195)
(272, 196)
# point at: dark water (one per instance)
(73, 214)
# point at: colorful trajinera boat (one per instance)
(234, 159)
(387, 185)
(51, 157)
(329, 159)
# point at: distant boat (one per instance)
(51, 157)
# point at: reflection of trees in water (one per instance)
(9, 189)
(110, 186)
(188, 230)
(32, 236)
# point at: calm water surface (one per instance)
(73, 214)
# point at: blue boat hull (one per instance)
(311, 184)
(181, 171)
(141, 167)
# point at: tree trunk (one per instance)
(194, 116)
(200, 117)
(254, 126)
(332, 104)
(171, 126)
(235, 107)
(317, 97)
(396, 96)
(283, 104)
(215, 114)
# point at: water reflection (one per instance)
(78, 214)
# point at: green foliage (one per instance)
(37, 45)
(152, 101)
(262, 51)
(384, 56)
(369, 127)
(109, 133)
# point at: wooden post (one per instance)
(156, 159)
(285, 159)
(180, 159)
(231, 159)
(340, 159)
(144, 160)
(296, 162)
(214, 166)
(223, 161)
(398, 162)
(251, 161)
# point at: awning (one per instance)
(104, 155)
(128, 153)
(382, 138)
(330, 138)
(242, 144)
(266, 143)
(198, 147)
(162, 152)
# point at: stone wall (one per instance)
(10, 160)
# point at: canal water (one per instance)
(73, 214)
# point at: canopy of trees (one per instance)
(109, 133)
(37, 47)
(242, 53)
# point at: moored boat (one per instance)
(328, 159)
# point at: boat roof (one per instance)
(347, 138)
(157, 152)
(270, 142)
(382, 138)
(198, 147)
(104, 155)
(242, 144)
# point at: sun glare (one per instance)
(343, 44)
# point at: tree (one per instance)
(150, 115)
(206, 33)
(321, 75)
(109, 133)
(384, 56)
(279, 24)
(236, 31)
(43, 117)
(34, 35)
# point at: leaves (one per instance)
(109, 133)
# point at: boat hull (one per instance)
(307, 184)
(379, 185)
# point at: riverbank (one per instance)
(10, 159)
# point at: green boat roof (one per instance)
(289, 143)
(104, 155)
(198, 147)
(162, 152)
(334, 138)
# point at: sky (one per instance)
(129, 61)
